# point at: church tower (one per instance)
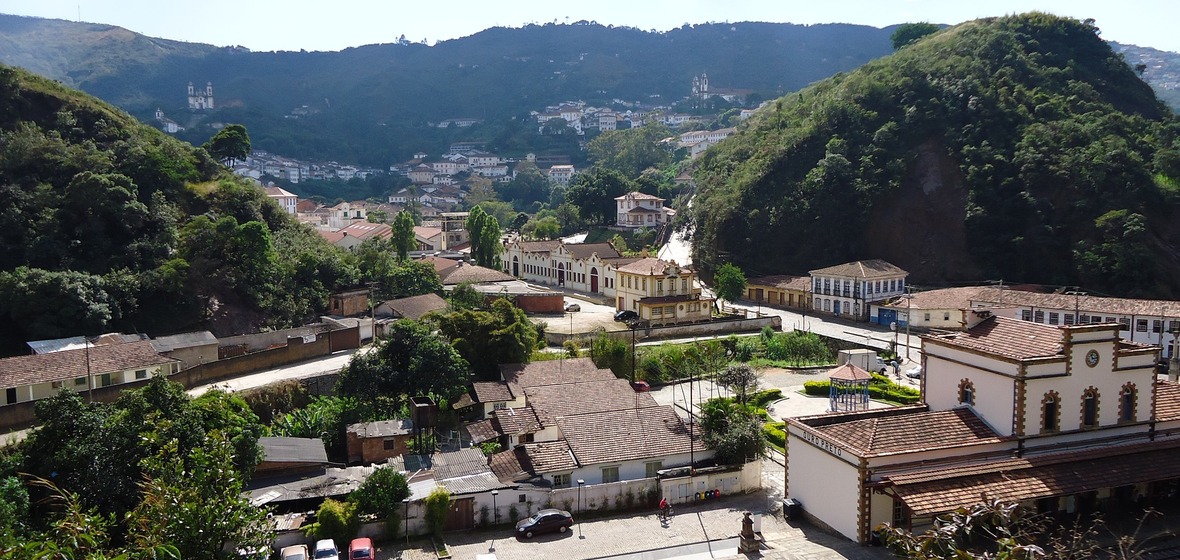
(200, 100)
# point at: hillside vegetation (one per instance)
(107, 224)
(1019, 148)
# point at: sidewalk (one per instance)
(700, 530)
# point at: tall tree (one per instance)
(501, 335)
(631, 151)
(408, 360)
(229, 145)
(594, 194)
(729, 282)
(403, 234)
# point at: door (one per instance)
(516, 267)
(461, 515)
(560, 275)
(836, 307)
(594, 280)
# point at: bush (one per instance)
(817, 388)
(335, 520)
(798, 347)
(765, 397)
(775, 433)
(437, 504)
(571, 348)
(891, 392)
(612, 353)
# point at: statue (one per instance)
(748, 541)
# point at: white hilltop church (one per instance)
(200, 99)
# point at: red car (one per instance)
(360, 549)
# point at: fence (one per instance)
(714, 327)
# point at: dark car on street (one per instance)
(626, 315)
(544, 521)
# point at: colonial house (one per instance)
(358, 232)
(38, 376)
(1065, 419)
(284, 199)
(561, 174)
(636, 209)
(435, 239)
(344, 214)
(661, 292)
(847, 290)
(586, 267)
(781, 290)
(422, 174)
(945, 309)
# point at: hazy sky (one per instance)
(329, 25)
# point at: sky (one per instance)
(318, 25)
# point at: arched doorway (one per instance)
(515, 266)
(560, 274)
(594, 280)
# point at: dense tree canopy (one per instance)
(230, 144)
(409, 360)
(501, 335)
(987, 150)
(594, 193)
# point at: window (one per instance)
(79, 381)
(1050, 413)
(1127, 403)
(610, 474)
(926, 316)
(967, 392)
(389, 444)
(946, 315)
(1054, 318)
(1173, 326)
(1083, 319)
(1124, 324)
(1157, 326)
(561, 481)
(521, 498)
(499, 406)
(659, 287)
(1141, 325)
(1090, 408)
(684, 284)
(652, 468)
(105, 380)
(1068, 318)
(900, 514)
(10, 395)
(141, 374)
(657, 311)
(670, 310)
(1039, 317)
(1025, 315)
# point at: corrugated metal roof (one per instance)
(472, 484)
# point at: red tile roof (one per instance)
(482, 430)
(474, 274)
(873, 268)
(491, 391)
(849, 372)
(512, 465)
(69, 364)
(550, 456)
(517, 421)
(1167, 401)
(440, 264)
(782, 282)
(650, 266)
(636, 195)
(1011, 338)
(552, 401)
(539, 246)
(627, 435)
(584, 250)
(909, 433)
(551, 372)
(946, 298)
(1084, 304)
(945, 489)
(366, 230)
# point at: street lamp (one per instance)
(907, 297)
(407, 502)
(495, 510)
(580, 484)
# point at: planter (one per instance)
(440, 549)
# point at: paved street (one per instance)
(704, 530)
(310, 368)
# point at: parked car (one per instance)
(640, 386)
(571, 307)
(914, 372)
(296, 552)
(1162, 366)
(360, 549)
(326, 550)
(545, 521)
(254, 553)
(626, 315)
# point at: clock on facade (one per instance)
(1092, 358)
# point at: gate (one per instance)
(461, 514)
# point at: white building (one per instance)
(561, 174)
(1059, 419)
(284, 199)
(636, 210)
(585, 267)
(848, 289)
(199, 100)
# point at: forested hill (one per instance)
(1018, 148)
(363, 102)
(107, 224)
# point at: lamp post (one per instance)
(907, 297)
(407, 502)
(580, 484)
(495, 510)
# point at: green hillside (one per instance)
(1019, 148)
(108, 224)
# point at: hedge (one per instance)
(775, 433)
(893, 393)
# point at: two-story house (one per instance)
(284, 199)
(636, 209)
(846, 290)
(561, 174)
(661, 292)
(1059, 419)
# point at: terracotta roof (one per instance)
(552, 401)
(491, 391)
(1084, 304)
(512, 465)
(474, 274)
(650, 266)
(1012, 338)
(1061, 474)
(414, 307)
(516, 421)
(539, 246)
(627, 435)
(70, 364)
(277, 191)
(426, 232)
(908, 433)
(551, 372)
(636, 195)
(584, 250)
(1167, 401)
(361, 229)
(550, 456)
(441, 264)
(482, 430)
(783, 282)
(642, 210)
(945, 298)
(849, 372)
(330, 236)
(873, 268)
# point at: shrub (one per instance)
(571, 348)
(817, 388)
(437, 504)
(335, 520)
(775, 432)
(513, 514)
(612, 353)
(381, 494)
(765, 397)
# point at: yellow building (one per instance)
(781, 290)
(661, 292)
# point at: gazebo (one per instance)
(850, 388)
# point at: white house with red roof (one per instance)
(636, 210)
(1057, 418)
(849, 289)
(286, 200)
(661, 292)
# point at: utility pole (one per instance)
(1077, 294)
